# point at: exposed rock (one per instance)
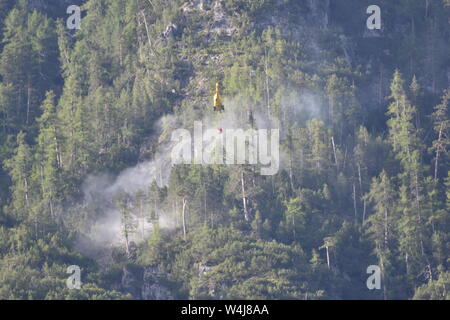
(153, 287)
(196, 5)
(206, 286)
(222, 23)
(203, 269)
(130, 282)
(132, 251)
(170, 31)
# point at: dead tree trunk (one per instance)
(266, 68)
(244, 199)
(354, 202)
(183, 213)
(127, 246)
(334, 152)
(438, 147)
(328, 257)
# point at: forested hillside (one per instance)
(86, 118)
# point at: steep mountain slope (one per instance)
(87, 118)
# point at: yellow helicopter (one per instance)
(218, 105)
(217, 102)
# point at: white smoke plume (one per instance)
(100, 190)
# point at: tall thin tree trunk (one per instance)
(244, 200)
(364, 211)
(359, 177)
(354, 202)
(438, 147)
(26, 192)
(184, 218)
(334, 152)
(385, 221)
(266, 68)
(328, 257)
(175, 210)
(58, 154)
(127, 245)
(293, 226)
(385, 227)
(141, 213)
(290, 172)
(146, 29)
(382, 275)
(406, 263)
(50, 202)
(28, 100)
(205, 211)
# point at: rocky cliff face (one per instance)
(147, 284)
(153, 285)
(143, 282)
(131, 283)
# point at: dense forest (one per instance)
(86, 117)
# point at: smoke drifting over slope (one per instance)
(100, 190)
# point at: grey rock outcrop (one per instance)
(153, 287)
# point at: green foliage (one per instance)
(362, 180)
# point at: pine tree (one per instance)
(294, 218)
(48, 156)
(382, 222)
(15, 61)
(411, 238)
(415, 93)
(343, 105)
(405, 139)
(382, 225)
(441, 124)
(139, 205)
(154, 201)
(28, 62)
(127, 219)
(319, 146)
(19, 167)
(7, 110)
(74, 118)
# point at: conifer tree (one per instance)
(128, 221)
(48, 156)
(382, 226)
(19, 167)
(441, 124)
